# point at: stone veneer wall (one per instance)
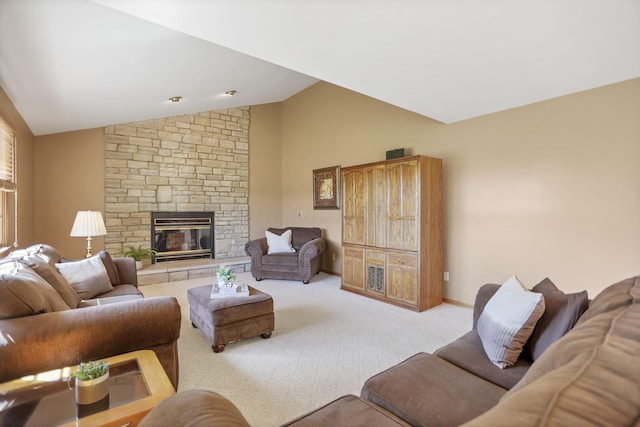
(196, 162)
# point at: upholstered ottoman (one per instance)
(224, 320)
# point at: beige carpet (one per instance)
(326, 343)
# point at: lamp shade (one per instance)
(87, 224)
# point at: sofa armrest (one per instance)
(312, 249)
(47, 341)
(482, 298)
(256, 248)
(195, 407)
(127, 270)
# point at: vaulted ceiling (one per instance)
(76, 64)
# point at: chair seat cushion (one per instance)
(283, 259)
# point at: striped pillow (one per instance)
(507, 322)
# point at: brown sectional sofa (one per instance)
(588, 376)
(46, 324)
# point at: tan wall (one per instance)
(69, 176)
(24, 172)
(550, 189)
(265, 169)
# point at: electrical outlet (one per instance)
(445, 276)
(333, 256)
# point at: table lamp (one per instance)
(88, 223)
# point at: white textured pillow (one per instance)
(278, 244)
(87, 277)
(507, 321)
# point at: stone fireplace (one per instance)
(182, 235)
(197, 163)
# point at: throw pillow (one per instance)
(112, 270)
(88, 277)
(23, 292)
(561, 313)
(41, 264)
(507, 322)
(279, 243)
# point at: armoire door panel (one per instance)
(353, 267)
(354, 208)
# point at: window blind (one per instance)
(7, 157)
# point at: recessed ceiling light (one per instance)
(231, 92)
(175, 98)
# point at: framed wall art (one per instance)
(326, 188)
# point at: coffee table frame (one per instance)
(131, 413)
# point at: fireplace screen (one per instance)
(182, 235)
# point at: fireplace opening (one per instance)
(182, 235)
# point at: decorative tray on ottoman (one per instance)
(233, 290)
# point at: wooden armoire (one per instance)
(392, 231)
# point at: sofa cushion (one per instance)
(561, 312)
(88, 277)
(107, 300)
(348, 411)
(5, 250)
(620, 294)
(45, 268)
(467, 353)
(588, 377)
(426, 390)
(507, 321)
(23, 292)
(279, 243)
(120, 290)
(49, 251)
(608, 328)
(110, 266)
(195, 408)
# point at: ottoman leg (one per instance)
(266, 335)
(194, 325)
(218, 348)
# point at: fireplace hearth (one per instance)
(182, 235)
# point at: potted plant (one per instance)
(225, 275)
(92, 382)
(139, 254)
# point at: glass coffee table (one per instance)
(137, 384)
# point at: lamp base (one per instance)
(89, 255)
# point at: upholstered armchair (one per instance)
(300, 261)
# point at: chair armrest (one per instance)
(482, 297)
(256, 248)
(127, 270)
(47, 341)
(313, 248)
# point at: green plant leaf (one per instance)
(91, 370)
